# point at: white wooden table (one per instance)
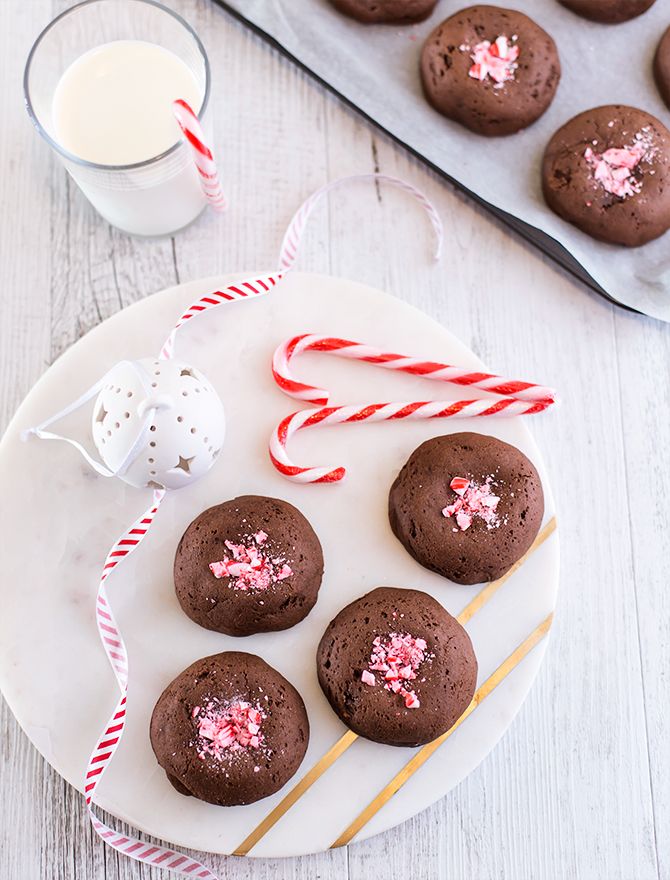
(578, 787)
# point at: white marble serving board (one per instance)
(59, 519)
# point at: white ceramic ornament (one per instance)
(186, 417)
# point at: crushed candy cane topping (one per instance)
(496, 60)
(613, 168)
(398, 657)
(233, 727)
(249, 568)
(473, 500)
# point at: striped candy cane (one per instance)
(202, 156)
(379, 412)
(429, 369)
(107, 744)
(289, 248)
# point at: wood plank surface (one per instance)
(578, 787)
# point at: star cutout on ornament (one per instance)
(101, 415)
(187, 371)
(184, 464)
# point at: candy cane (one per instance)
(107, 744)
(202, 155)
(379, 412)
(431, 370)
(289, 249)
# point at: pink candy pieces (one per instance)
(496, 60)
(473, 500)
(613, 168)
(459, 485)
(249, 568)
(233, 728)
(398, 657)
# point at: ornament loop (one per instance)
(39, 431)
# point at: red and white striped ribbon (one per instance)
(202, 155)
(289, 249)
(379, 412)
(289, 252)
(255, 286)
(390, 361)
(107, 743)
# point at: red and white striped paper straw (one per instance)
(390, 361)
(202, 155)
(289, 249)
(379, 412)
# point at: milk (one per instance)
(112, 107)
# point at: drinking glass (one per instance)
(162, 194)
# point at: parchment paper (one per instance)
(376, 67)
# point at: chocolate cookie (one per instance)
(229, 730)
(608, 11)
(386, 11)
(493, 70)
(662, 67)
(396, 667)
(466, 506)
(249, 565)
(607, 171)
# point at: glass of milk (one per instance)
(99, 85)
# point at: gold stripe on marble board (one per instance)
(349, 737)
(488, 591)
(306, 782)
(422, 756)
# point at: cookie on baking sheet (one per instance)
(607, 171)
(386, 11)
(466, 506)
(662, 67)
(229, 730)
(493, 70)
(250, 565)
(608, 11)
(396, 667)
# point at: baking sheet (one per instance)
(375, 68)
